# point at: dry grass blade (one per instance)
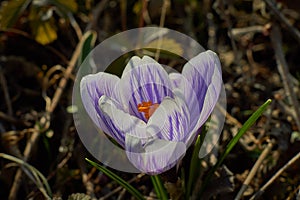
(44, 121)
(28, 149)
(36, 176)
(295, 33)
(165, 6)
(254, 169)
(284, 71)
(118, 189)
(278, 173)
(63, 81)
(6, 93)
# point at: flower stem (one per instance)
(159, 187)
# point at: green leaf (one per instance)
(194, 166)
(235, 139)
(159, 187)
(89, 39)
(118, 179)
(10, 11)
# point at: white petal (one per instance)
(119, 122)
(92, 87)
(144, 80)
(170, 121)
(156, 156)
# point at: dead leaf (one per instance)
(46, 32)
(166, 43)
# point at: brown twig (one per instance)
(166, 5)
(64, 80)
(230, 119)
(120, 187)
(189, 19)
(13, 148)
(295, 33)
(219, 5)
(97, 11)
(212, 32)
(284, 71)
(294, 194)
(199, 181)
(123, 7)
(29, 37)
(6, 93)
(85, 178)
(18, 177)
(236, 32)
(143, 10)
(278, 173)
(13, 120)
(75, 25)
(247, 138)
(122, 194)
(254, 170)
(44, 122)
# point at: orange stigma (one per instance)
(148, 108)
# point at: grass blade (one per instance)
(195, 163)
(118, 179)
(159, 188)
(89, 40)
(35, 175)
(252, 119)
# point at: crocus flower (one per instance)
(154, 115)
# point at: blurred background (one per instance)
(42, 43)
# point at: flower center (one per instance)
(148, 108)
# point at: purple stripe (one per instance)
(171, 134)
(157, 100)
(118, 135)
(201, 90)
(177, 122)
(132, 92)
(154, 163)
(90, 94)
(151, 82)
(134, 111)
(97, 89)
(166, 90)
(102, 117)
(134, 107)
(114, 132)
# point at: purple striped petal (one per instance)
(156, 156)
(92, 87)
(119, 122)
(204, 74)
(184, 90)
(144, 80)
(170, 121)
(136, 61)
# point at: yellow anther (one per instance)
(148, 108)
